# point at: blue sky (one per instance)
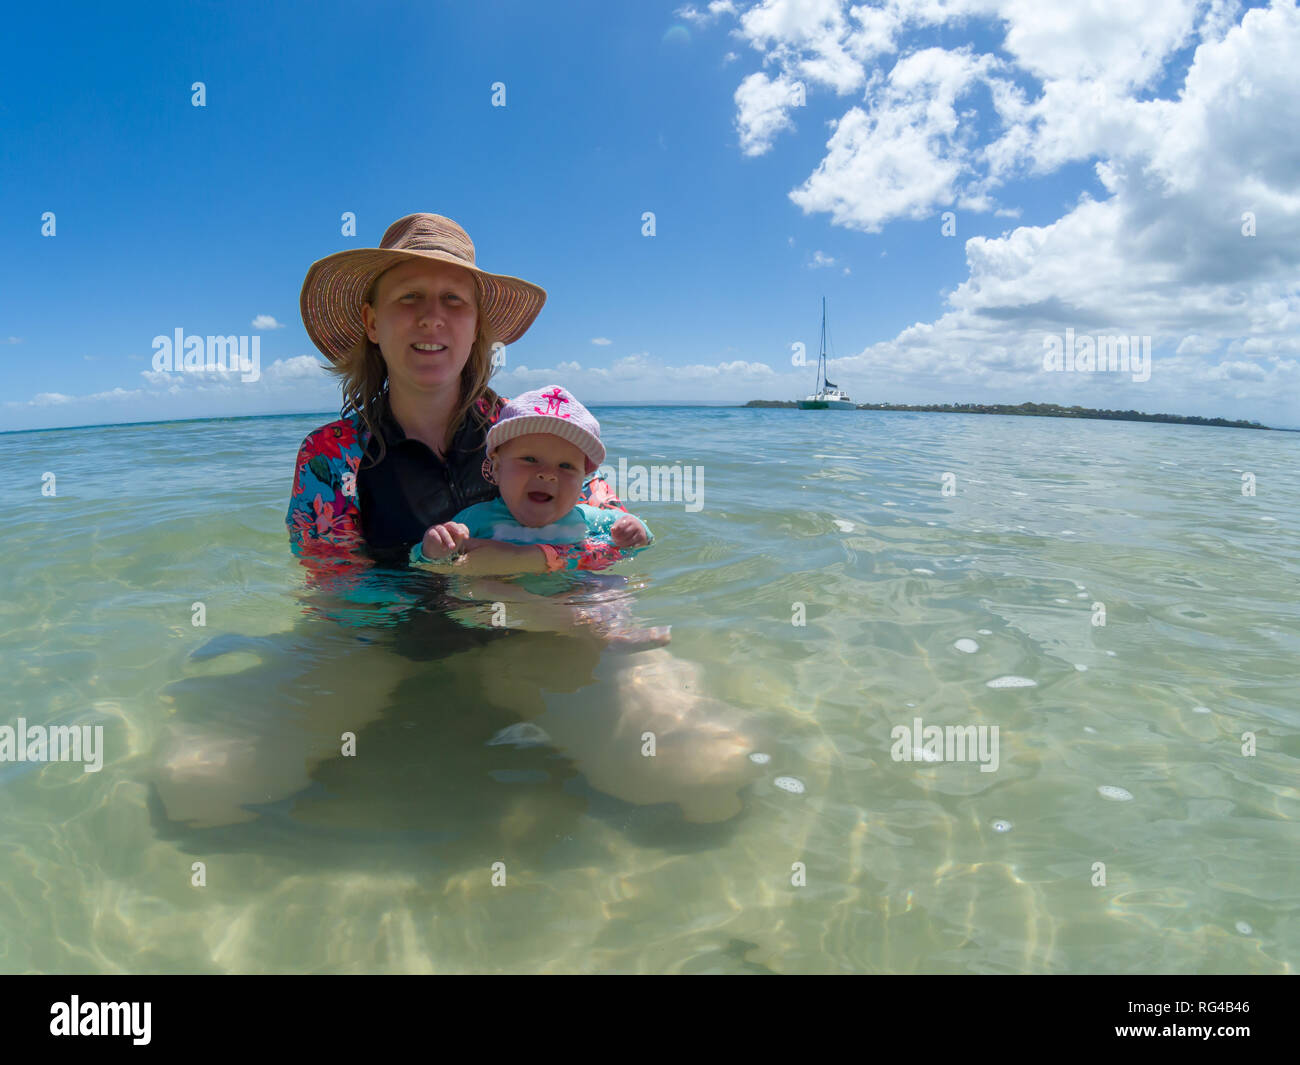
(1097, 172)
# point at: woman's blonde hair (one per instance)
(364, 377)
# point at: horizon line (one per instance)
(609, 403)
(307, 413)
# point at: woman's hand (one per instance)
(628, 532)
(443, 540)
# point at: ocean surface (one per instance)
(844, 581)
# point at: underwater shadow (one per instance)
(433, 789)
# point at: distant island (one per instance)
(1040, 410)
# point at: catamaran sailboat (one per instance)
(828, 396)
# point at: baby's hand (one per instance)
(628, 532)
(443, 540)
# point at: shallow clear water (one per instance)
(385, 863)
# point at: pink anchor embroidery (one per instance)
(553, 401)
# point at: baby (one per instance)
(540, 450)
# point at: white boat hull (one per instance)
(826, 404)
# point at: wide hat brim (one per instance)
(335, 288)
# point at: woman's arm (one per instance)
(598, 493)
(493, 558)
(323, 518)
(452, 545)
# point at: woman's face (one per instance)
(540, 477)
(424, 320)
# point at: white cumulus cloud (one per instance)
(1185, 111)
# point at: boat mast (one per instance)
(821, 362)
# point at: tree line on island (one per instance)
(1043, 410)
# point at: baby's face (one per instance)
(540, 477)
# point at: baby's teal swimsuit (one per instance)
(584, 524)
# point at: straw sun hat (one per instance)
(336, 285)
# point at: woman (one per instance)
(410, 327)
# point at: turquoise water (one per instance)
(854, 861)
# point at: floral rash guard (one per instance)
(324, 518)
